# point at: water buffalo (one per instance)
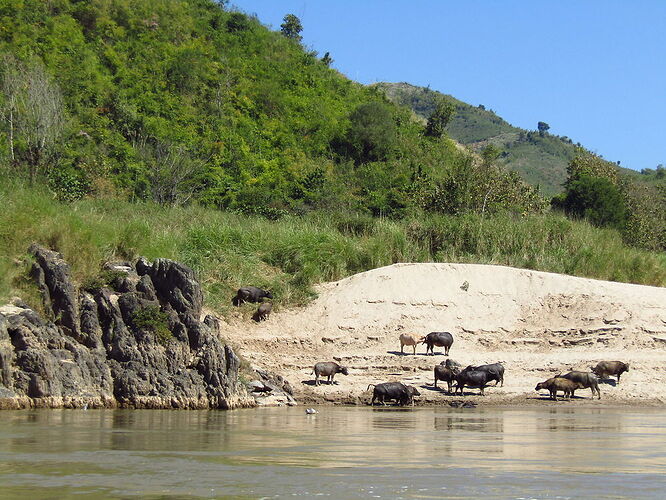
(250, 294)
(472, 378)
(451, 364)
(408, 339)
(584, 380)
(263, 312)
(401, 393)
(439, 339)
(604, 369)
(447, 374)
(328, 369)
(495, 372)
(555, 384)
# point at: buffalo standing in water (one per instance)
(401, 393)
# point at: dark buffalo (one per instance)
(447, 374)
(250, 294)
(472, 378)
(584, 380)
(439, 339)
(401, 393)
(604, 369)
(328, 369)
(495, 372)
(451, 364)
(555, 384)
(263, 312)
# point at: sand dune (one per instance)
(537, 323)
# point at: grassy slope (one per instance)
(292, 254)
(540, 160)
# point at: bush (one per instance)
(151, 318)
(596, 199)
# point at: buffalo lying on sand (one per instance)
(439, 339)
(397, 391)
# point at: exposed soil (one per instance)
(538, 324)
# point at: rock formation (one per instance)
(134, 341)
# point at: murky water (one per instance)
(339, 453)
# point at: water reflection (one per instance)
(99, 449)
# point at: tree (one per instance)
(372, 132)
(489, 154)
(327, 59)
(440, 117)
(237, 23)
(292, 27)
(172, 170)
(33, 113)
(543, 127)
(596, 199)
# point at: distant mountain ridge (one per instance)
(540, 159)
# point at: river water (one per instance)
(341, 452)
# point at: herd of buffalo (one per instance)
(476, 377)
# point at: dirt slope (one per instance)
(537, 323)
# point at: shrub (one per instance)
(151, 318)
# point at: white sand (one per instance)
(539, 324)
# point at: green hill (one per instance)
(181, 101)
(540, 159)
(185, 129)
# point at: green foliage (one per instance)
(543, 127)
(596, 199)
(372, 133)
(292, 254)
(292, 27)
(440, 117)
(151, 318)
(540, 159)
(596, 190)
(105, 278)
(185, 101)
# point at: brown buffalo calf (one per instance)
(555, 384)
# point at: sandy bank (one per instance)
(538, 324)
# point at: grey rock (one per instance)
(95, 355)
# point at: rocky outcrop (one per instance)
(134, 341)
(270, 389)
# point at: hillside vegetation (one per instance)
(178, 101)
(290, 255)
(540, 158)
(184, 129)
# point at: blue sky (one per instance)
(593, 70)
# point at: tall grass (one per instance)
(290, 255)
